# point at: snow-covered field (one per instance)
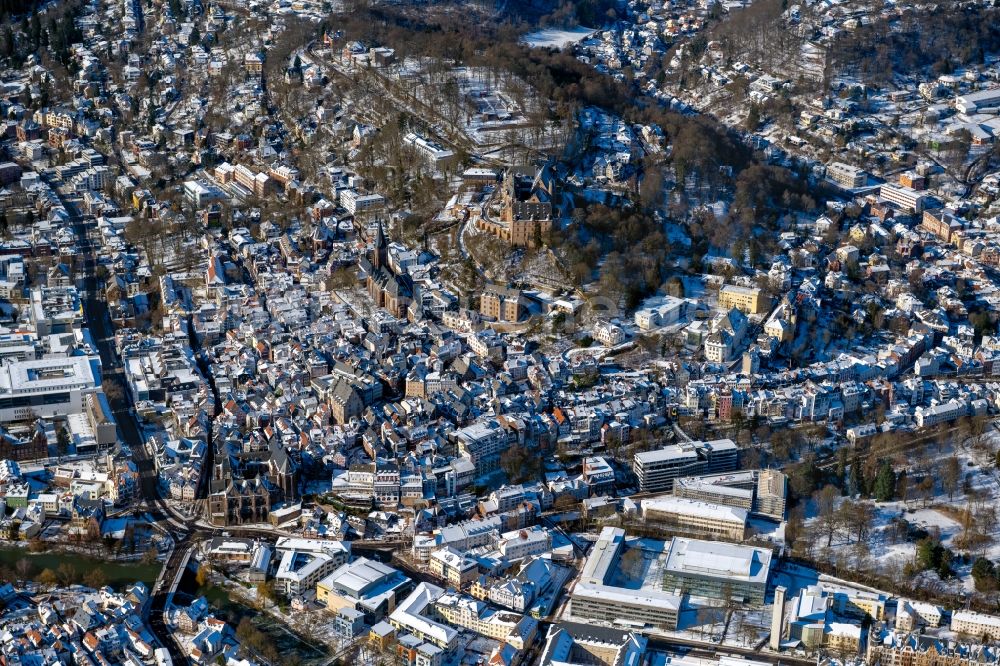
(556, 38)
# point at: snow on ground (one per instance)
(938, 515)
(768, 530)
(676, 234)
(694, 287)
(556, 38)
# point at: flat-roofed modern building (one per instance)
(761, 492)
(697, 517)
(736, 489)
(47, 387)
(202, 193)
(771, 494)
(355, 203)
(845, 175)
(595, 599)
(982, 99)
(656, 470)
(55, 310)
(428, 149)
(483, 441)
(718, 570)
(304, 562)
(907, 198)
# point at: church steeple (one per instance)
(379, 258)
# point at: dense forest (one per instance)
(941, 36)
(758, 35)
(950, 36)
(591, 13)
(15, 8)
(58, 32)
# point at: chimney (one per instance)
(777, 617)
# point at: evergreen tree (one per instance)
(885, 483)
(857, 477)
(8, 41)
(842, 469)
(35, 31)
(984, 574)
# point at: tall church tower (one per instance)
(380, 258)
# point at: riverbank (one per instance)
(232, 604)
(28, 566)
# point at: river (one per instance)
(118, 574)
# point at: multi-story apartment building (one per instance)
(483, 442)
(355, 203)
(942, 224)
(515, 594)
(416, 615)
(925, 417)
(919, 649)
(911, 615)
(845, 175)
(386, 486)
(452, 566)
(726, 336)
(9, 172)
(461, 536)
(479, 617)
(977, 625)
(253, 62)
(598, 475)
(519, 544)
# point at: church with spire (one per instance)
(387, 289)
